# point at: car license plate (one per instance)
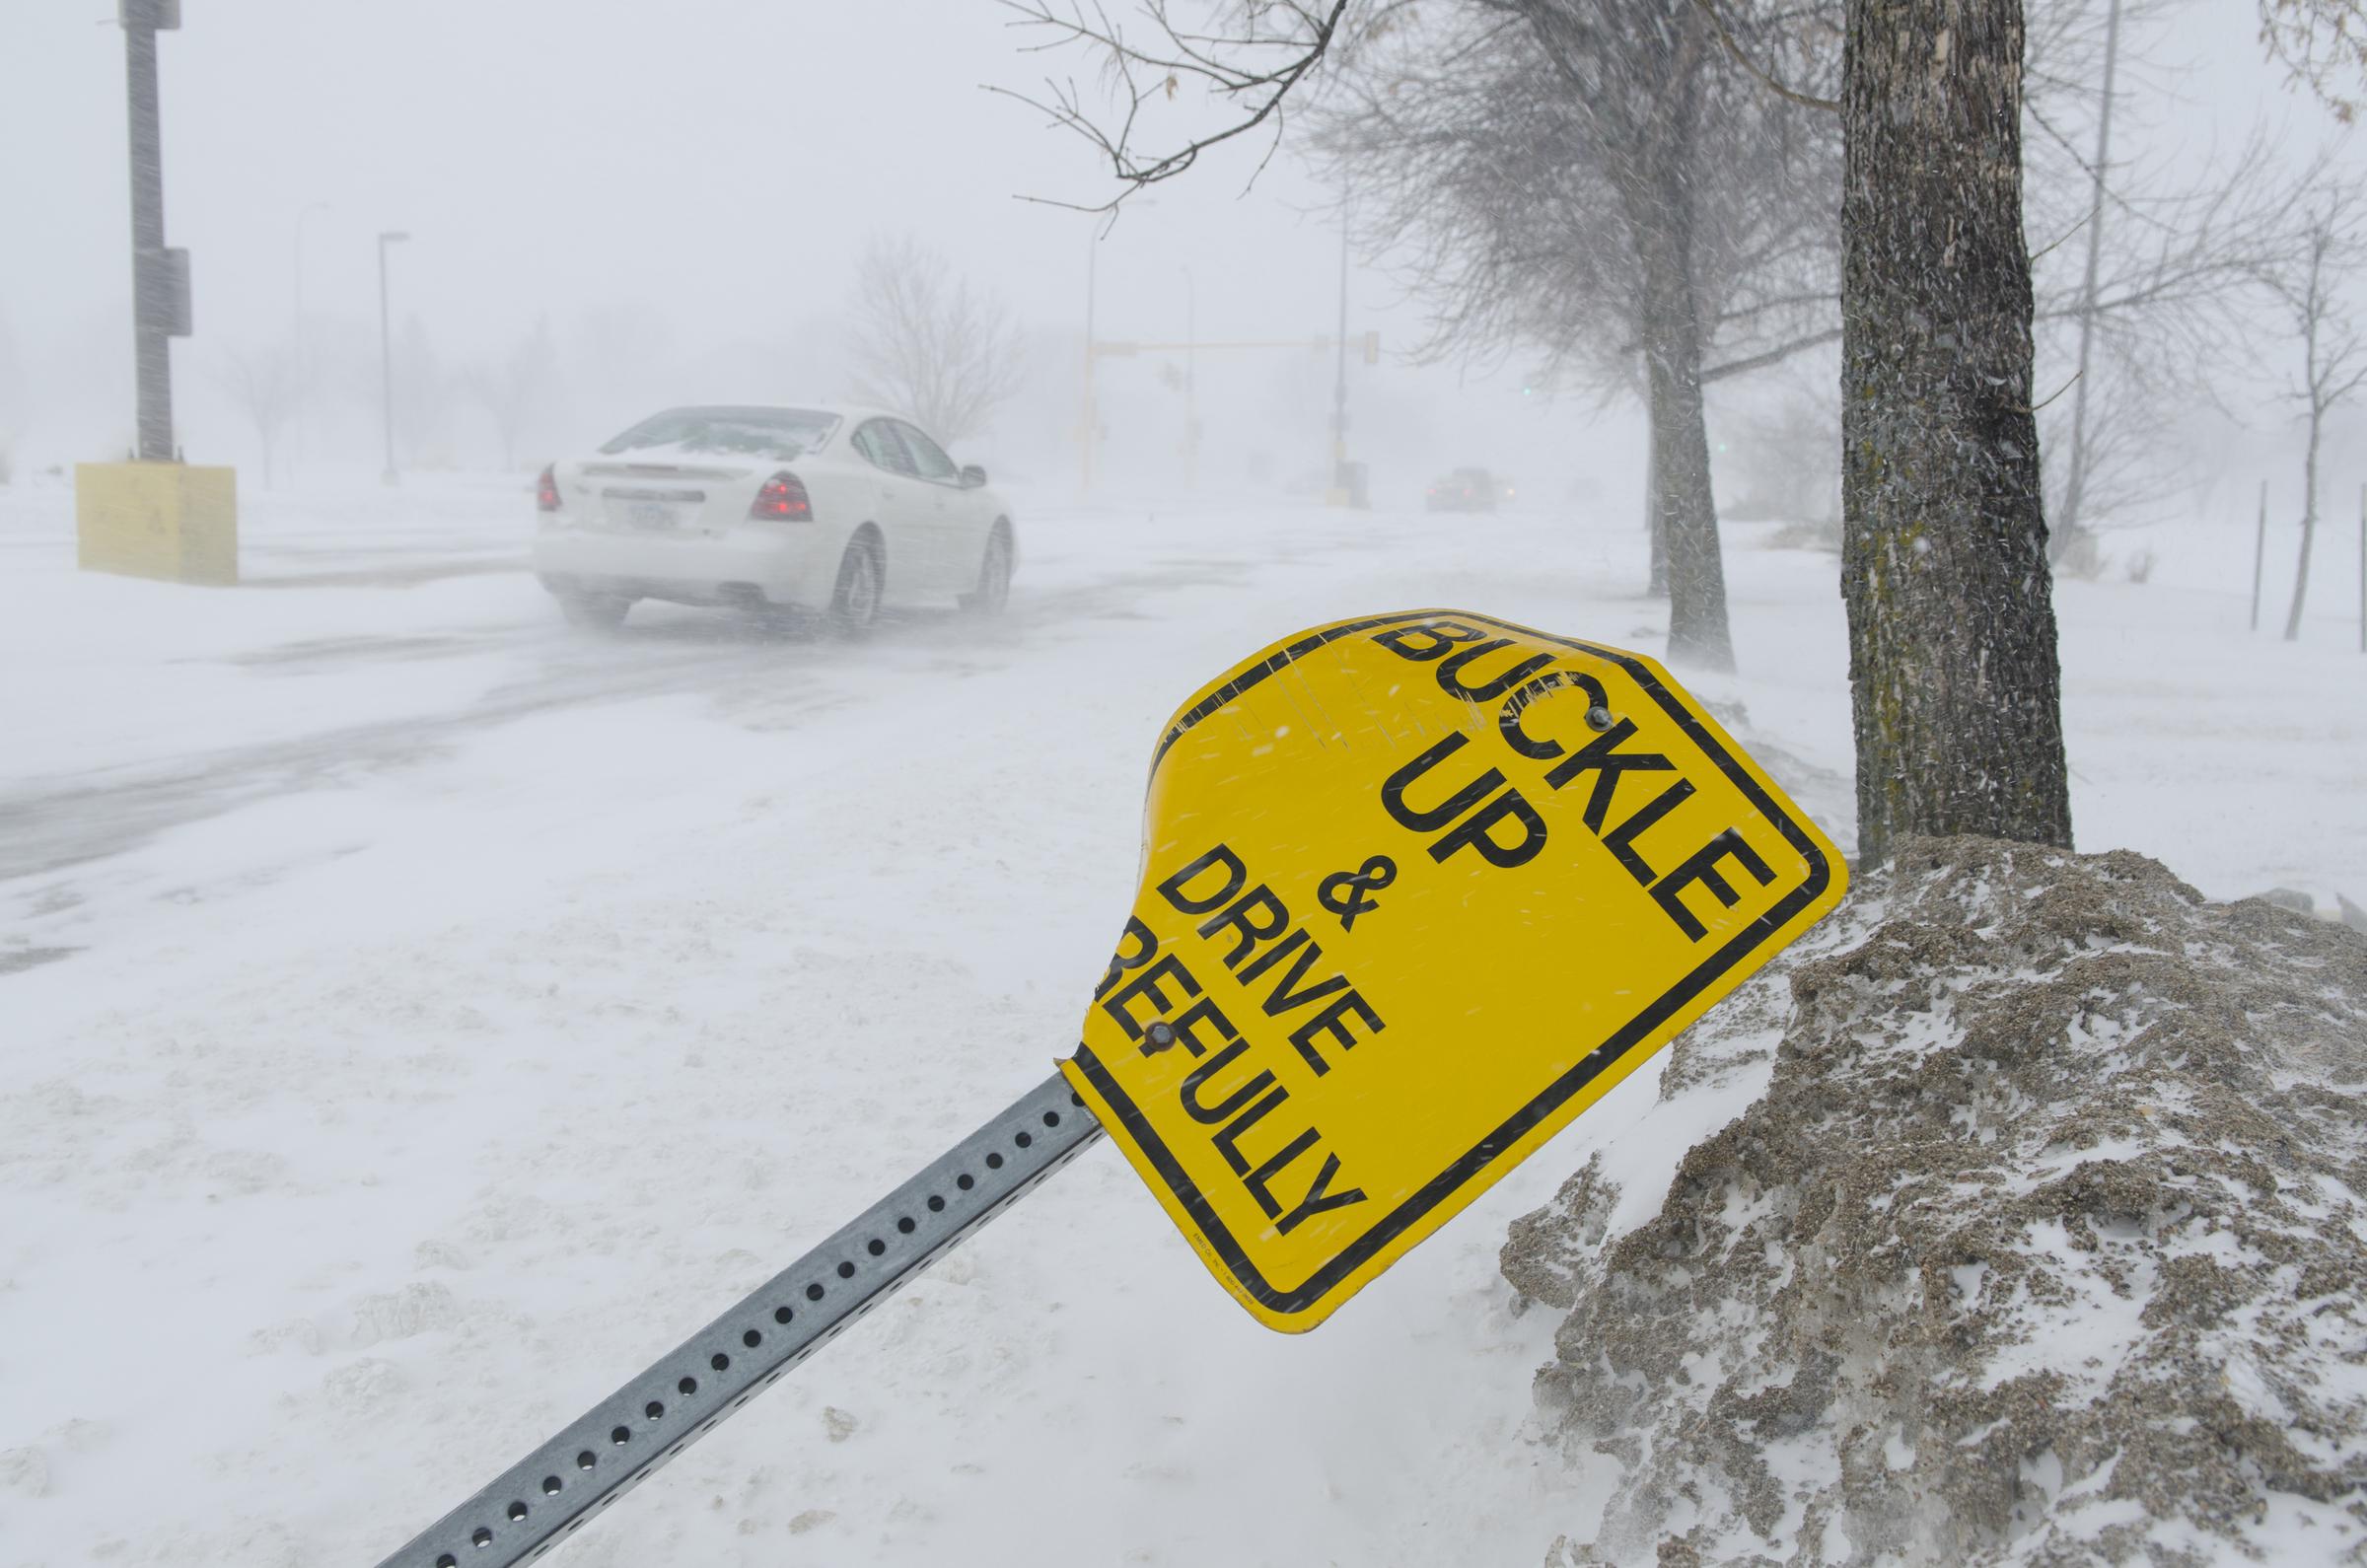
(651, 515)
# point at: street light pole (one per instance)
(156, 314)
(1339, 384)
(2075, 489)
(385, 348)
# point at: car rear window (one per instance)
(782, 433)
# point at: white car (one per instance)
(830, 509)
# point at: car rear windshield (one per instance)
(782, 433)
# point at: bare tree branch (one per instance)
(927, 343)
(1718, 25)
(2323, 44)
(267, 385)
(1773, 356)
(517, 389)
(1251, 72)
(2313, 282)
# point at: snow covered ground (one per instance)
(414, 1016)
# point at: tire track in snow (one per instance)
(52, 824)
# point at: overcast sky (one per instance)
(720, 160)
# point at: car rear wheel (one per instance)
(594, 612)
(994, 577)
(855, 601)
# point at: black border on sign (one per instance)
(1557, 1093)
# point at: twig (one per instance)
(1718, 25)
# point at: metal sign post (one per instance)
(1356, 989)
(601, 1455)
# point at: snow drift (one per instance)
(2042, 1244)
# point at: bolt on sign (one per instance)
(1418, 890)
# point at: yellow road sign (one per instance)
(1418, 890)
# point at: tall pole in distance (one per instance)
(386, 349)
(2259, 554)
(151, 290)
(1339, 380)
(2076, 491)
(2363, 568)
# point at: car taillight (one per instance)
(783, 500)
(546, 491)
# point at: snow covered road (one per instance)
(414, 1016)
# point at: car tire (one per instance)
(862, 583)
(994, 591)
(594, 611)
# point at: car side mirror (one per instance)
(973, 477)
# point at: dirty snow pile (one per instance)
(2041, 1241)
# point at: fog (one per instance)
(681, 203)
(683, 200)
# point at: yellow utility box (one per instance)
(162, 520)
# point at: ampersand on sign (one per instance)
(1349, 894)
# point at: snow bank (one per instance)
(2042, 1241)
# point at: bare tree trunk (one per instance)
(2309, 520)
(1955, 684)
(1660, 213)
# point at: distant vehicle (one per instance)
(830, 510)
(1465, 490)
